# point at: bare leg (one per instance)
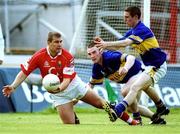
(133, 108)
(143, 82)
(144, 111)
(68, 116)
(93, 99)
(151, 92)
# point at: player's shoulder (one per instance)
(127, 34)
(40, 52)
(111, 52)
(141, 27)
(67, 54)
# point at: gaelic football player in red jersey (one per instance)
(56, 60)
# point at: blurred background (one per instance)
(25, 23)
(24, 28)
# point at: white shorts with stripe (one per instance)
(76, 90)
(156, 74)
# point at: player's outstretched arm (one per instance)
(8, 89)
(113, 45)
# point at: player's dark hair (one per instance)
(133, 10)
(91, 44)
(53, 34)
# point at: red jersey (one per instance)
(62, 65)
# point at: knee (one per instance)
(124, 92)
(135, 88)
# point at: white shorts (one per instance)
(156, 75)
(76, 90)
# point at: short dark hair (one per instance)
(53, 34)
(133, 10)
(91, 44)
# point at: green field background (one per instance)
(93, 121)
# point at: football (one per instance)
(51, 82)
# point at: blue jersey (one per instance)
(109, 69)
(146, 44)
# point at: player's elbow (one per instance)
(127, 42)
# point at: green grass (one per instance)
(92, 122)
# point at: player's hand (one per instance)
(54, 91)
(123, 71)
(7, 90)
(97, 39)
(100, 44)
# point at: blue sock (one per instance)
(121, 107)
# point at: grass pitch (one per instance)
(92, 122)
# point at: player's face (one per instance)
(94, 54)
(129, 20)
(55, 46)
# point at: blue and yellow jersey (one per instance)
(112, 60)
(146, 44)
